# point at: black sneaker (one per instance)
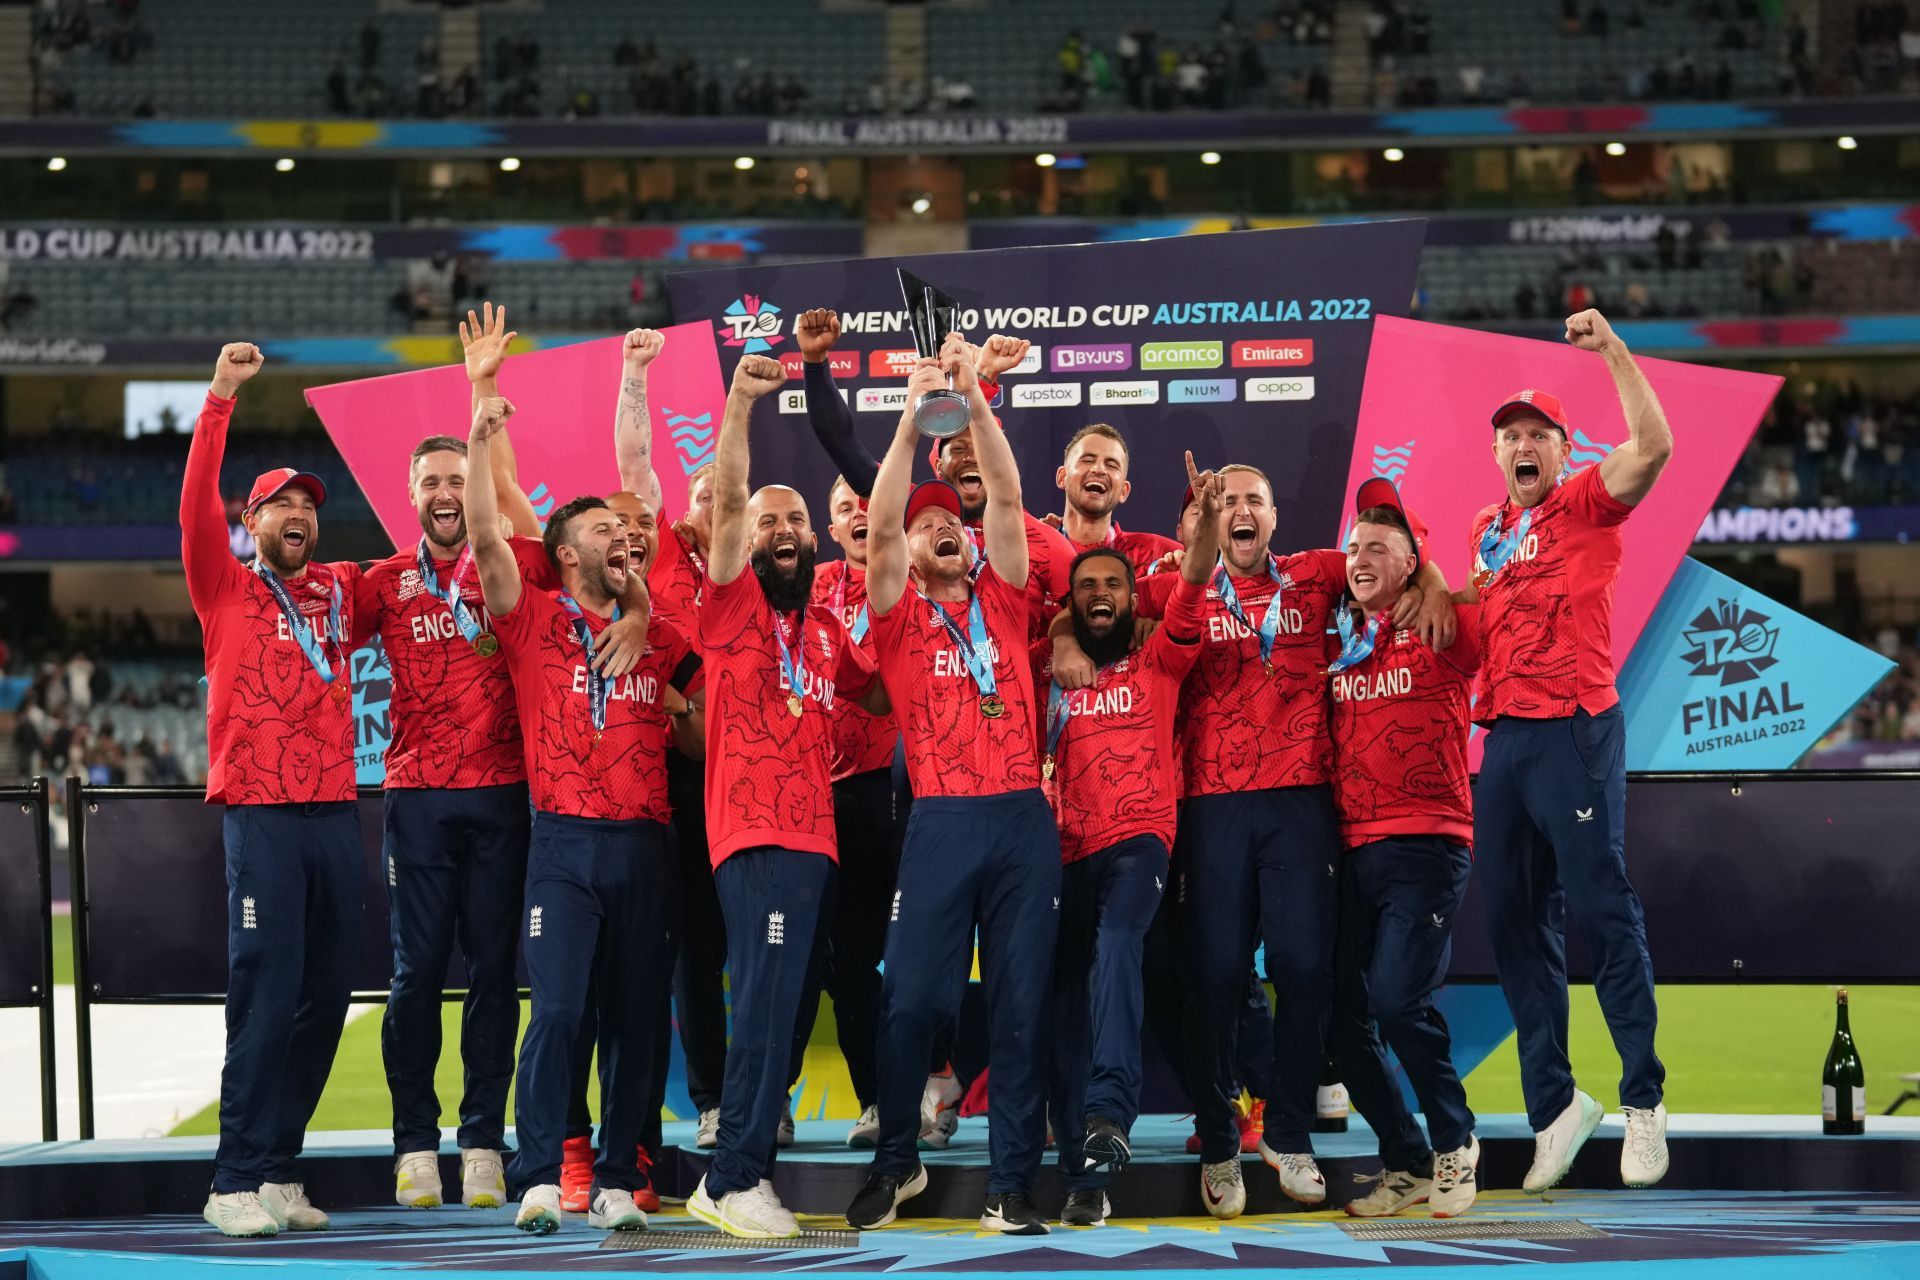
(1086, 1209)
(880, 1200)
(1105, 1144)
(1013, 1214)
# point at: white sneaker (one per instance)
(707, 1135)
(1393, 1191)
(483, 1182)
(783, 1137)
(1299, 1176)
(288, 1203)
(614, 1210)
(1643, 1155)
(1456, 1180)
(1555, 1146)
(1222, 1189)
(416, 1180)
(940, 1111)
(866, 1130)
(239, 1213)
(753, 1214)
(539, 1210)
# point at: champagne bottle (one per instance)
(1843, 1085)
(1330, 1103)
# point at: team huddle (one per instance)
(665, 761)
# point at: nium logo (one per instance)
(1731, 642)
(875, 399)
(1124, 393)
(752, 323)
(1280, 388)
(1046, 394)
(1202, 391)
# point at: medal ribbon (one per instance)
(297, 625)
(793, 660)
(1355, 646)
(1496, 549)
(858, 627)
(975, 651)
(597, 689)
(462, 616)
(1269, 626)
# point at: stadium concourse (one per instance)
(1305, 243)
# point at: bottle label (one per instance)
(1830, 1103)
(1859, 1103)
(1829, 1107)
(1330, 1102)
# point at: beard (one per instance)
(1109, 648)
(282, 559)
(787, 591)
(440, 539)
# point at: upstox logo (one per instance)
(1280, 388)
(1046, 395)
(1181, 355)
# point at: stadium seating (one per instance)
(1457, 278)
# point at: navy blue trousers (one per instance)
(598, 899)
(699, 986)
(994, 861)
(456, 864)
(296, 884)
(1108, 901)
(1398, 897)
(779, 909)
(1549, 828)
(1260, 865)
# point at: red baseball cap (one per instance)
(272, 482)
(1382, 492)
(933, 493)
(1544, 403)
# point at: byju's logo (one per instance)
(751, 323)
(1731, 642)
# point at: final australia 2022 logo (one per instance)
(1733, 646)
(751, 322)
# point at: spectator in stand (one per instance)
(1778, 488)
(337, 100)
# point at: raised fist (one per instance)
(999, 354)
(642, 348)
(238, 361)
(755, 376)
(816, 332)
(1590, 331)
(490, 415)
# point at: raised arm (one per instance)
(1004, 528)
(205, 549)
(1629, 471)
(499, 571)
(632, 425)
(483, 345)
(832, 421)
(1197, 565)
(887, 509)
(753, 377)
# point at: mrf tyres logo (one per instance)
(751, 322)
(1733, 646)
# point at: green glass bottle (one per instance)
(1843, 1085)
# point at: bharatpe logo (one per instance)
(1731, 642)
(751, 323)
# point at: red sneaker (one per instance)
(576, 1175)
(1252, 1125)
(1193, 1139)
(646, 1197)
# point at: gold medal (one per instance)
(1268, 664)
(992, 707)
(596, 737)
(1481, 579)
(486, 644)
(793, 705)
(1046, 769)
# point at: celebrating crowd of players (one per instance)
(646, 756)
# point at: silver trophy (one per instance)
(944, 413)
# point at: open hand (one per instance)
(484, 338)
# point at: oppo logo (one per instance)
(1280, 388)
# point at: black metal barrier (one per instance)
(1784, 877)
(26, 925)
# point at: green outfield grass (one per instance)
(1732, 1050)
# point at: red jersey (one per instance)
(676, 579)
(277, 733)
(953, 748)
(862, 741)
(623, 775)
(1245, 729)
(1142, 550)
(453, 718)
(1049, 571)
(1548, 611)
(1400, 736)
(1115, 766)
(769, 776)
